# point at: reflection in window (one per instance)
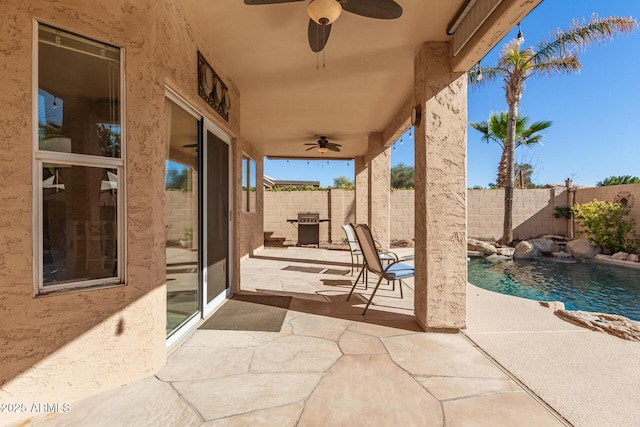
(248, 185)
(181, 216)
(80, 223)
(79, 161)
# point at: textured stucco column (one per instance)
(440, 191)
(379, 189)
(361, 181)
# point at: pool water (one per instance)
(580, 285)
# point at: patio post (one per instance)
(440, 190)
(379, 189)
(361, 181)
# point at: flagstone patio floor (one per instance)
(328, 366)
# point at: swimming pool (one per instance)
(580, 285)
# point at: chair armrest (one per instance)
(393, 254)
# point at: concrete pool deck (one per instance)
(590, 378)
(330, 366)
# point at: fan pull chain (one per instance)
(323, 39)
(317, 53)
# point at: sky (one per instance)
(595, 113)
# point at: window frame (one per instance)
(246, 158)
(40, 157)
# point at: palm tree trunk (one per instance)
(513, 97)
(502, 170)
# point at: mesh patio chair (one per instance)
(393, 271)
(385, 256)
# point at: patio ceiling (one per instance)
(286, 100)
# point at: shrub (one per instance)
(606, 227)
(562, 212)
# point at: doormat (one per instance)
(264, 313)
(316, 270)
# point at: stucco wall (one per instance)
(280, 206)
(64, 347)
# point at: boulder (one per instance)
(556, 237)
(633, 258)
(505, 251)
(620, 255)
(480, 246)
(561, 255)
(581, 248)
(546, 246)
(620, 326)
(553, 305)
(525, 250)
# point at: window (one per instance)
(248, 185)
(79, 166)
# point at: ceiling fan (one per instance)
(323, 145)
(323, 13)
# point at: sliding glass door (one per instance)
(197, 216)
(182, 215)
(217, 216)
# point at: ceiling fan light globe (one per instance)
(322, 150)
(324, 12)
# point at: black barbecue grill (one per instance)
(308, 228)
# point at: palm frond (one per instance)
(581, 34)
(565, 65)
(515, 60)
(489, 74)
(485, 129)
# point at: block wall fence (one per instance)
(532, 211)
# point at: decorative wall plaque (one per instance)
(212, 89)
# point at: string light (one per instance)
(411, 134)
(520, 38)
(55, 104)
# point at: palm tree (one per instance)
(495, 129)
(559, 55)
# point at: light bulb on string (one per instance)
(411, 134)
(401, 141)
(520, 38)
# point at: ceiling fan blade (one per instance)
(334, 144)
(259, 2)
(310, 148)
(332, 147)
(311, 143)
(379, 9)
(318, 35)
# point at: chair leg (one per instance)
(394, 284)
(352, 263)
(355, 283)
(372, 295)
